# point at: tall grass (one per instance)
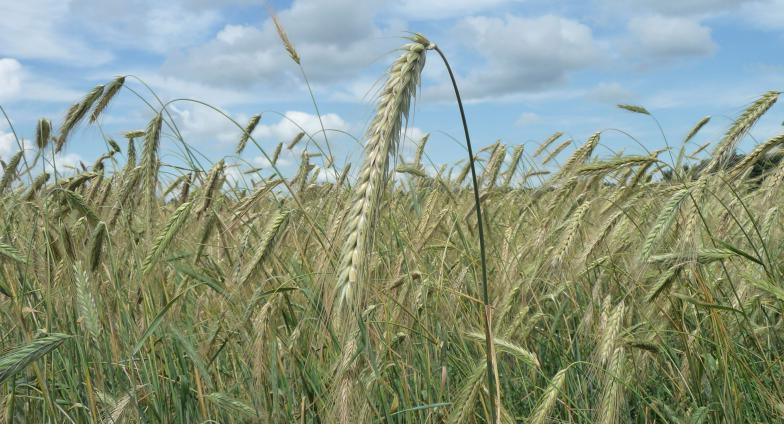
(619, 292)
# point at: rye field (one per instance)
(606, 288)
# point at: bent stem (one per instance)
(492, 368)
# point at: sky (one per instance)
(526, 68)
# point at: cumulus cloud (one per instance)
(528, 118)
(444, 9)
(677, 7)
(764, 14)
(243, 55)
(66, 163)
(524, 54)
(293, 122)
(205, 127)
(39, 29)
(8, 144)
(149, 25)
(16, 83)
(10, 78)
(665, 37)
(199, 124)
(610, 92)
(409, 141)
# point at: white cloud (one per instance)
(68, 162)
(40, 29)
(327, 175)
(662, 37)
(524, 54)
(765, 14)
(145, 24)
(10, 78)
(16, 83)
(409, 141)
(205, 127)
(199, 124)
(87, 32)
(528, 118)
(65, 162)
(610, 92)
(676, 7)
(8, 145)
(444, 9)
(244, 55)
(289, 126)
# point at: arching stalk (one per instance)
(492, 369)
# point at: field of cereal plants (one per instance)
(618, 288)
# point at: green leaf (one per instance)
(154, 324)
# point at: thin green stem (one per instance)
(485, 292)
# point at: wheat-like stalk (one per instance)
(10, 252)
(185, 189)
(545, 144)
(149, 164)
(411, 169)
(767, 222)
(276, 154)
(739, 128)
(131, 178)
(9, 174)
(514, 161)
(109, 92)
(88, 312)
(613, 392)
(130, 154)
(601, 235)
(696, 128)
(542, 412)
(382, 142)
(43, 131)
(558, 149)
(570, 232)
(211, 186)
(76, 114)
(174, 184)
(663, 222)
(663, 282)
(614, 164)
(506, 346)
(580, 155)
(753, 156)
(254, 121)
(256, 196)
(420, 150)
(294, 141)
(494, 166)
(107, 190)
(38, 182)
(77, 203)
(96, 245)
(236, 407)
(609, 334)
(634, 108)
(19, 358)
(287, 44)
(461, 176)
(164, 239)
(271, 233)
(467, 396)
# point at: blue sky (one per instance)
(527, 68)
